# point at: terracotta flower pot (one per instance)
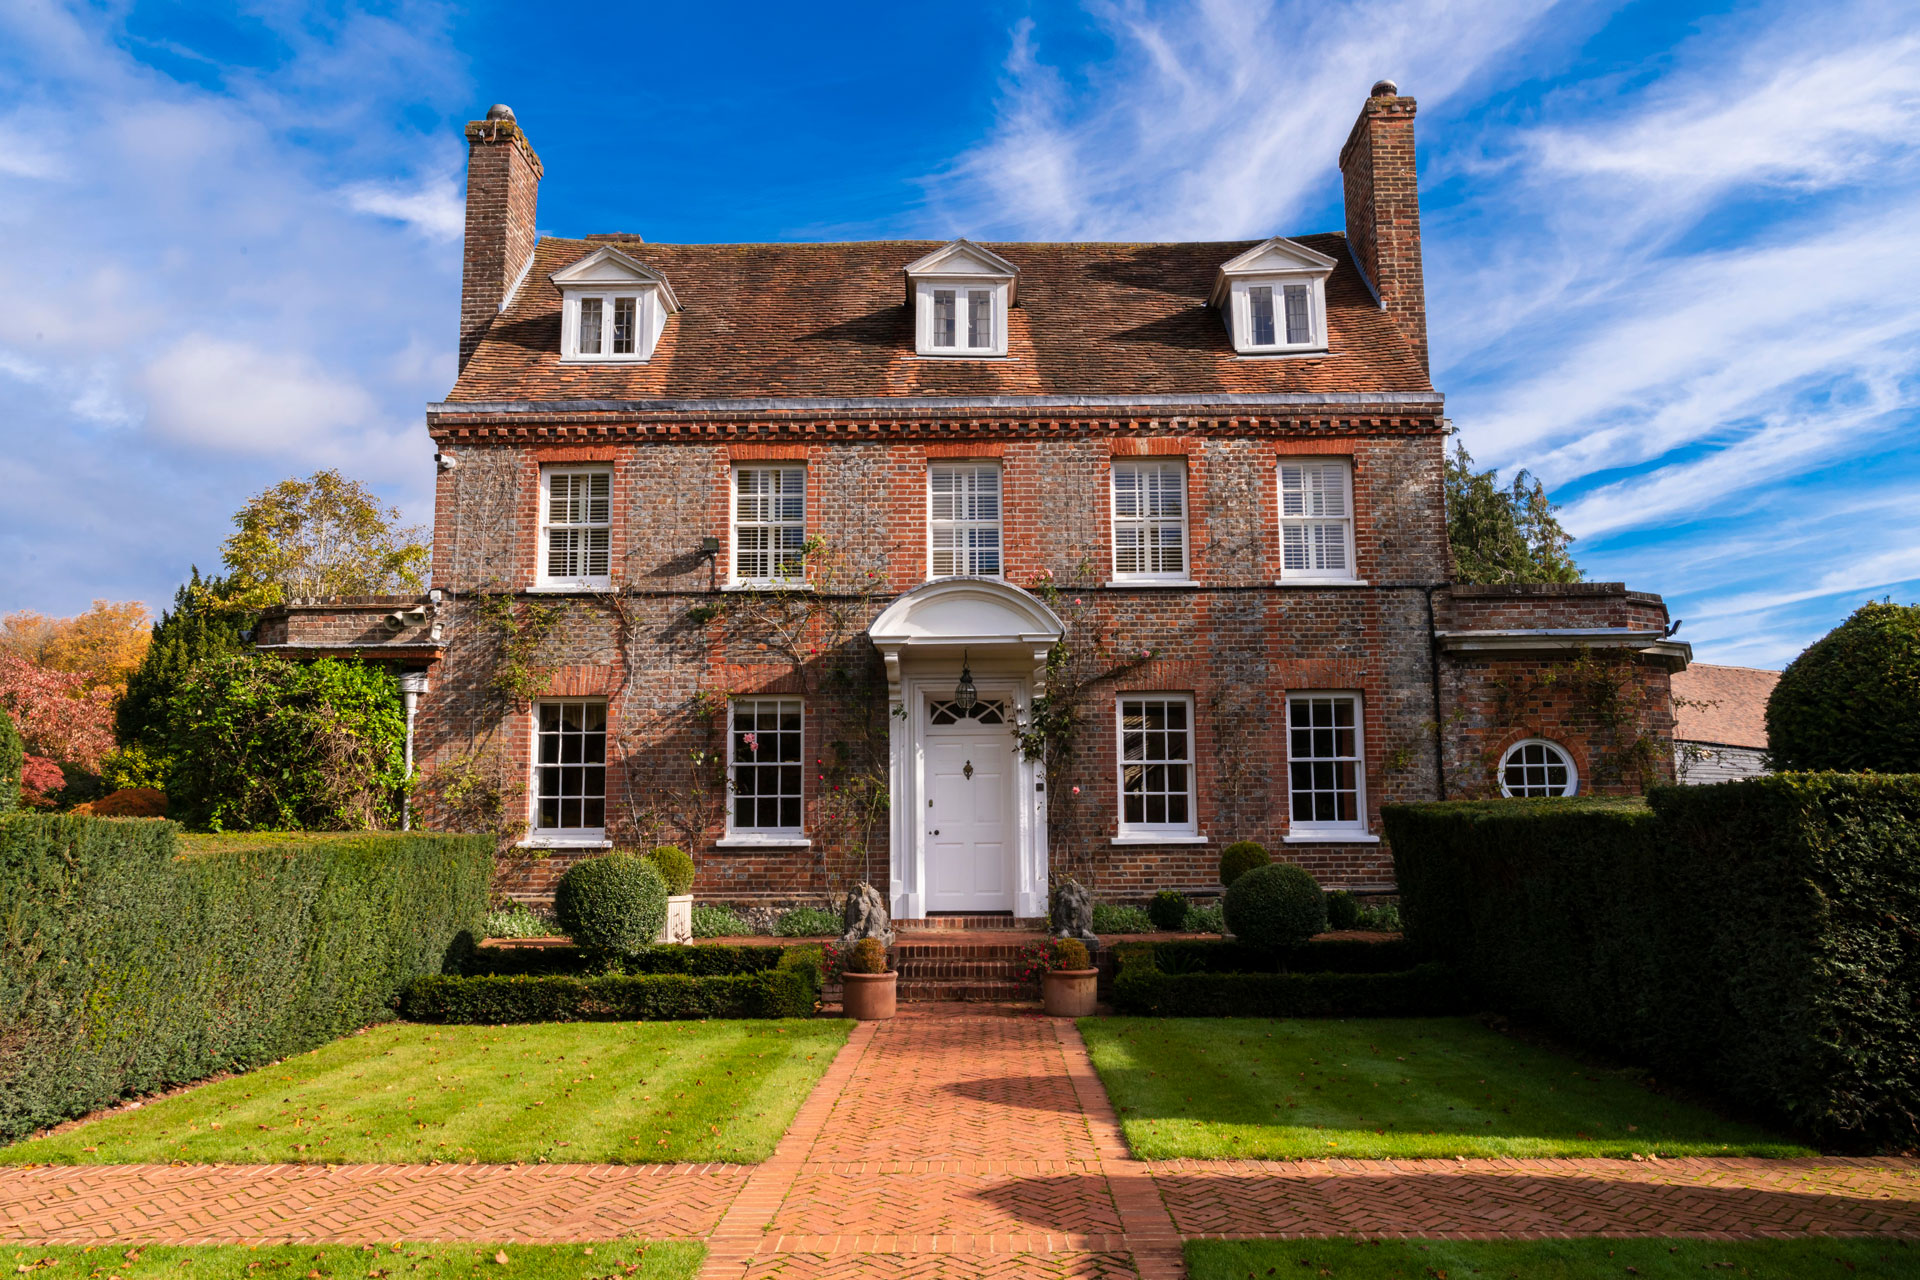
(867, 996)
(1069, 993)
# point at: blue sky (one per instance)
(1673, 252)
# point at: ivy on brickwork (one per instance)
(521, 630)
(1622, 747)
(1076, 661)
(480, 790)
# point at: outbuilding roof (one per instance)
(828, 320)
(1724, 706)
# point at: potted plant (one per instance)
(866, 984)
(1068, 989)
(676, 868)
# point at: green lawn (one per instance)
(678, 1260)
(585, 1092)
(1384, 1087)
(1805, 1259)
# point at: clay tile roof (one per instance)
(829, 320)
(1726, 706)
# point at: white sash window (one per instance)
(1316, 520)
(764, 767)
(964, 520)
(576, 528)
(570, 770)
(1156, 765)
(1150, 520)
(1325, 767)
(769, 525)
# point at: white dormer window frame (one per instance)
(613, 308)
(1273, 299)
(960, 295)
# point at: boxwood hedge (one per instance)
(771, 983)
(1760, 938)
(1319, 980)
(132, 959)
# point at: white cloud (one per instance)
(436, 209)
(1216, 119)
(218, 394)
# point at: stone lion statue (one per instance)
(865, 916)
(1071, 914)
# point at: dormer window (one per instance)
(613, 307)
(960, 294)
(1273, 298)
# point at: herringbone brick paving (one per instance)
(955, 1144)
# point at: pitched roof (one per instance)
(1726, 706)
(828, 320)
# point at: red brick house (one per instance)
(957, 567)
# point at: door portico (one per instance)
(968, 819)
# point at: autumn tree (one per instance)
(1503, 533)
(103, 645)
(322, 536)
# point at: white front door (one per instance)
(969, 819)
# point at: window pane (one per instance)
(1260, 312)
(766, 777)
(1299, 314)
(590, 326)
(571, 780)
(623, 325)
(980, 318)
(1155, 792)
(1323, 766)
(943, 318)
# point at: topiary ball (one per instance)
(675, 867)
(1278, 905)
(1851, 702)
(1168, 911)
(1241, 857)
(1069, 953)
(1343, 910)
(869, 955)
(612, 905)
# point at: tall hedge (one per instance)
(131, 960)
(1852, 700)
(1760, 938)
(12, 755)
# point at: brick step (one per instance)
(983, 923)
(906, 952)
(970, 970)
(924, 992)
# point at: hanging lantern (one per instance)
(964, 693)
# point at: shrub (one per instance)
(612, 905)
(132, 802)
(12, 753)
(1278, 905)
(1114, 919)
(869, 955)
(807, 922)
(1852, 700)
(718, 922)
(1753, 938)
(1069, 953)
(1343, 911)
(260, 743)
(1241, 857)
(1228, 980)
(1206, 919)
(703, 959)
(517, 920)
(675, 867)
(1168, 911)
(1385, 917)
(789, 987)
(156, 962)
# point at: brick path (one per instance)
(959, 1143)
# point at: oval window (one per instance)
(1537, 767)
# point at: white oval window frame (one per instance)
(1573, 770)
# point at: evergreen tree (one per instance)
(1503, 534)
(200, 625)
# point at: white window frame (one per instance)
(923, 291)
(1318, 827)
(585, 582)
(1306, 520)
(1242, 313)
(1148, 524)
(1189, 827)
(644, 325)
(563, 835)
(774, 554)
(1573, 770)
(959, 525)
(779, 834)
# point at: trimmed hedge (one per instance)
(789, 987)
(1278, 905)
(1852, 700)
(133, 960)
(1759, 938)
(1211, 980)
(699, 959)
(612, 905)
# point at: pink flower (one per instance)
(1076, 599)
(752, 740)
(1076, 791)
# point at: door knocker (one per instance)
(967, 772)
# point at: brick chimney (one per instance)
(1383, 208)
(503, 186)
